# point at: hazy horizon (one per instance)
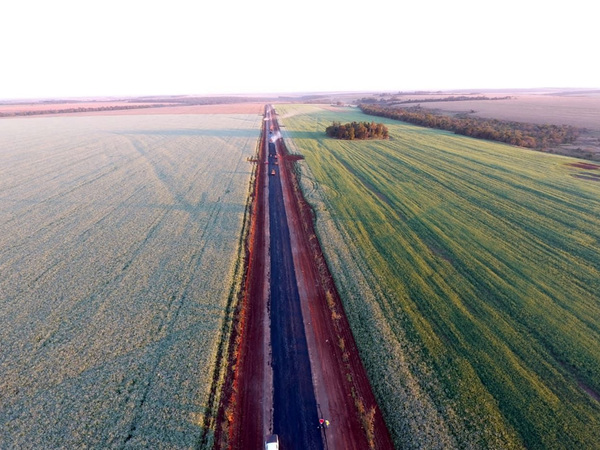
(258, 95)
(70, 49)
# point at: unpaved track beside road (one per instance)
(313, 374)
(340, 380)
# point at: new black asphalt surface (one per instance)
(295, 417)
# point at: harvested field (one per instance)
(119, 240)
(578, 110)
(469, 272)
(126, 108)
(235, 108)
(35, 108)
(230, 108)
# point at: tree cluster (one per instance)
(516, 133)
(357, 130)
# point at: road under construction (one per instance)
(291, 370)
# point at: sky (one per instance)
(87, 48)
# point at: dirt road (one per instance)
(297, 359)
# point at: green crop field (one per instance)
(470, 273)
(119, 242)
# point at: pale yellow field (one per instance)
(119, 237)
(155, 108)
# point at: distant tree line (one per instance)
(357, 130)
(368, 100)
(452, 98)
(141, 102)
(516, 133)
(78, 109)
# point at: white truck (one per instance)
(272, 442)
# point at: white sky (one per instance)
(78, 48)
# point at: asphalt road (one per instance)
(295, 417)
(274, 388)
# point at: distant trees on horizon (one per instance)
(515, 133)
(396, 99)
(357, 130)
(75, 109)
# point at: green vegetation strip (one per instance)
(470, 272)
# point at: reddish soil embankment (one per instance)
(246, 400)
(342, 389)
